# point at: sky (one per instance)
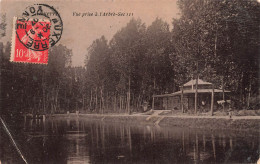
(79, 32)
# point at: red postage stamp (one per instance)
(30, 40)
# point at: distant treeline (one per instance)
(215, 40)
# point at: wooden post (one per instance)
(212, 100)
(182, 109)
(196, 95)
(153, 103)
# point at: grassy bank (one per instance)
(251, 123)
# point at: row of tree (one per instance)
(215, 40)
(36, 88)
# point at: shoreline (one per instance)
(251, 123)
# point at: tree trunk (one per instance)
(90, 102)
(196, 92)
(120, 103)
(215, 47)
(212, 101)
(115, 103)
(138, 101)
(43, 92)
(44, 100)
(56, 97)
(153, 103)
(241, 88)
(96, 106)
(223, 93)
(129, 95)
(100, 101)
(83, 102)
(182, 108)
(249, 91)
(154, 79)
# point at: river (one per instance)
(82, 141)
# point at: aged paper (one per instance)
(129, 81)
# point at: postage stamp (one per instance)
(30, 40)
(39, 28)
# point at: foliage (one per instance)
(34, 88)
(223, 38)
(216, 40)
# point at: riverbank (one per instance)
(251, 123)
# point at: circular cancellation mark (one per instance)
(35, 15)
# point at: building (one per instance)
(184, 99)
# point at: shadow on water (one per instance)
(81, 141)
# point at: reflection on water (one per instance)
(81, 141)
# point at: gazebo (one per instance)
(207, 97)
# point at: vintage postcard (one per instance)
(129, 81)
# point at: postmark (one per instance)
(33, 33)
(39, 28)
(44, 11)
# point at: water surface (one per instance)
(82, 141)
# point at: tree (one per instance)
(157, 56)
(98, 70)
(221, 36)
(127, 54)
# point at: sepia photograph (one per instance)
(129, 81)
